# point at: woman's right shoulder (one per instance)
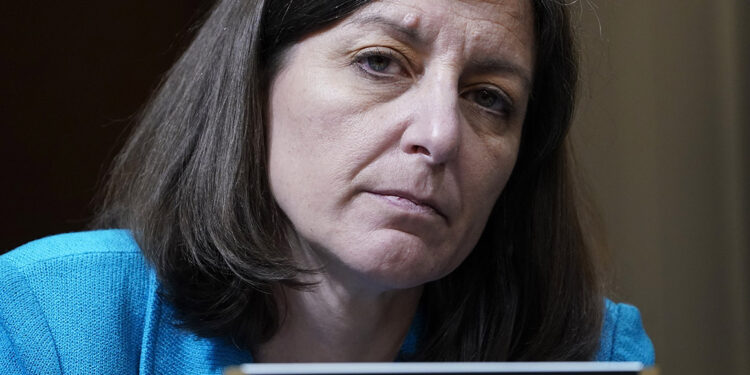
(73, 292)
(74, 260)
(56, 248)
(65, 269)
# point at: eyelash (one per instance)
(392, 57)
(505, 103)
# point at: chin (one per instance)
(397, 260)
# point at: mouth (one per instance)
(410, 202)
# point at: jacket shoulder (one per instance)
(71, 245)
(623, 336)
(75, 293)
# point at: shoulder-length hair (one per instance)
(192, 185)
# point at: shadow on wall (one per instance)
(662, 133)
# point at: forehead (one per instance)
(478, 27)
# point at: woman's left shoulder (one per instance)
(623, 336)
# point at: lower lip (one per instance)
(405, 204)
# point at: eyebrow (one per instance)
(411, 35)
(478, 66)
(501, 65)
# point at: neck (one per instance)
(333, 323)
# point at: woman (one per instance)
(335, 181)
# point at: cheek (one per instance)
(322, 126)
(485, 176)
(319, 138)
(302, 116)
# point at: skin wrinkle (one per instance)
(485, 7)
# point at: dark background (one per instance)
(73, 76)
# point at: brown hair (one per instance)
(191, 184)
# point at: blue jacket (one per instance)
(87, 303)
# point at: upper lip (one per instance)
(416, 199)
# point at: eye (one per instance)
(489, 99)
(380, 62)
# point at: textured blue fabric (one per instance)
(87, 303)
(623, 336)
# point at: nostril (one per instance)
(420, 150)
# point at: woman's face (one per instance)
(393, 133)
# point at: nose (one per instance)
(434, 132)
